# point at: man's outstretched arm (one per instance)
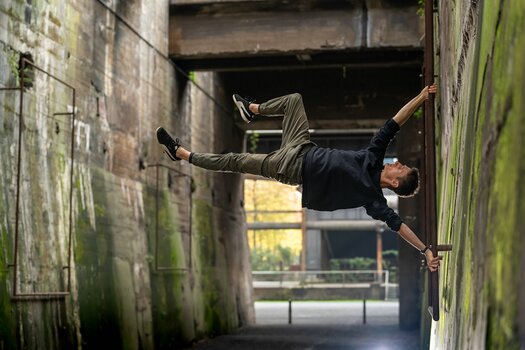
(406, 112)
(409, 236)
(379, 210)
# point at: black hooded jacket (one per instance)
(336, 179)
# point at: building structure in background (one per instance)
(134, 67)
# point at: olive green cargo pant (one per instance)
(285, 164)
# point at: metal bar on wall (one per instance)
(179, 173)
(24, 62)
(430, 159)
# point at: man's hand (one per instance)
(404, 113)
(432, 262)
(432, 89)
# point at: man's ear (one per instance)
(394, 183)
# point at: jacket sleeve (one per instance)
(379, 210)
(382, 139)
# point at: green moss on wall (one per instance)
(94, 272)
(505, 111)
(218, 312)
(7, 324)
(172, 323)
(504, 231)
(481, 281)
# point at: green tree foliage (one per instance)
(270, 201)
(270, 260)
(362, 263)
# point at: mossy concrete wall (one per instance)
(481, 186)
(114, 54)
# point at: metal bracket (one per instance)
(444, 247)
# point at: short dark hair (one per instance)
(409, 185)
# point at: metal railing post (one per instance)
(387, 275)
(290, 311)
(364, 310)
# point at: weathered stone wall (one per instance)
(114, 54)
(481, 185)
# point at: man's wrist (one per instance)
(421, 98)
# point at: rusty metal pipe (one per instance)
(71, 192)
(157, 219)
(19, 158)
(46, 73)
(39, 296)
(430, 160)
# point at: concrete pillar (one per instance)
(314, 250)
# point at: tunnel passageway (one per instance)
(320, 325)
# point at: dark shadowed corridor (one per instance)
(295, 337)
(320, 325)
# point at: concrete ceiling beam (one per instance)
(289, 33)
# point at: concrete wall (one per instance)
(114, 54)
(481, 184)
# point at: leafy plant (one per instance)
(253, 140)
(13, 58)
(268, 260)
(362, 263)
(421, 8)
(418, 113)
(191, 76)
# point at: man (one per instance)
(331, 179)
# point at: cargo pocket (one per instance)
(289, 166)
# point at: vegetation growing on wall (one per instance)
(480, 181)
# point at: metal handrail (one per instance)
(313, 272)
(301, 277)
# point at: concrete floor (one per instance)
(320, 325)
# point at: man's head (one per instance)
(401, 179)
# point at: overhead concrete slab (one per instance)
(288, 33)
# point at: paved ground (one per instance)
(320, 325)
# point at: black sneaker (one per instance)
(167, 141)
(244, 107)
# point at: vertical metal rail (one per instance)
(430, 168)
(24, 62)
(71, 191)
(19, 158)
(430, 163)
(159, 268)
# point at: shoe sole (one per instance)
(244, 113)
(157, 133)
(166, 150)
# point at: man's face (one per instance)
(397, 170)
